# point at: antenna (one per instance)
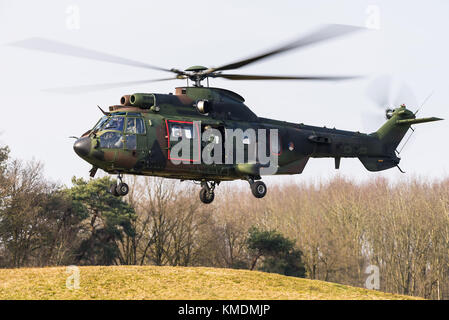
(425, 100)
(102, 111)
(413, 131)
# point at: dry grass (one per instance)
(165, 283)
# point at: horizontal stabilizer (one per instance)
(418, 120)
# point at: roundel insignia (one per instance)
(291, 146)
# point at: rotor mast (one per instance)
(196, 74)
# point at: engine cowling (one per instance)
(142, 100)
(124, 101)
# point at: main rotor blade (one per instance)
(265, 77)
(327, 32)
(101, 86)
(57, 47)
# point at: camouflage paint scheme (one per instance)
(298, 142)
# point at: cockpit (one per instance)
(119, 130)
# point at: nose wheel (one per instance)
(207, 194)
(119, 189)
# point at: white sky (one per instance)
(411, 45)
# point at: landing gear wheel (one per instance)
(259, 189)
(113, 190)
(206, 196)
(122, 189)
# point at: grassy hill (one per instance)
(150, 282)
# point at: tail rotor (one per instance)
(396, 109)
(387, 95)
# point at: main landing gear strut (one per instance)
(120, 188)
(207, 195)
(258, 188)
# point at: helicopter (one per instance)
(170, 135)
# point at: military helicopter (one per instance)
(139, 135)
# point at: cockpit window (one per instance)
(115, 123)
(135, 125)
(111, 140)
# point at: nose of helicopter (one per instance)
(82, 146)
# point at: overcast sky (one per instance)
(410, 43)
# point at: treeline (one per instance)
(159, 222)
(342, 227)
(331, 231)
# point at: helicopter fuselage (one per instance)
(146, 149)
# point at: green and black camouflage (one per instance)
(147, 152)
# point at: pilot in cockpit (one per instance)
(131, 126)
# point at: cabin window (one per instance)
(183, 131)
(179, 130)
(111, 140)
(176, 131)
(188, 133)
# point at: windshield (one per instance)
(100, 123)
(134, 125)
(111, 140)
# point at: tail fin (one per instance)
(390, 135)
(394, 130)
